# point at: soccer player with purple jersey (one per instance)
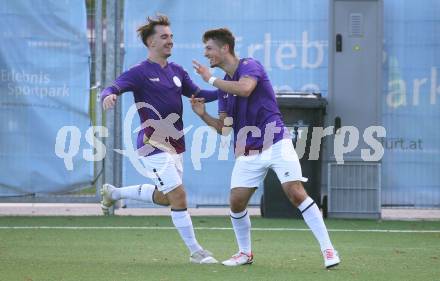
(247, 105)
(158, 86)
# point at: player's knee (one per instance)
(237, 204)
(160, 199)
(295, 192)
(294, 187)
(177, 197)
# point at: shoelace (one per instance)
(328, 254)
(237, 256)
(206, 254)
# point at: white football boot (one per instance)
(331, 258)
(202, 257)
(239, 259)
(107, 202)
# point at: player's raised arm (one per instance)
(243, 87)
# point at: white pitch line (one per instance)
(210, 228)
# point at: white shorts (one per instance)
(166, 170)
(250, 171)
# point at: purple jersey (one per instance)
(161, 89)
(257, 120)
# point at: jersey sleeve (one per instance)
(188, 86)
(222, 102)
(251, 68)
(208, 95)
(107, 92)
(126, 82)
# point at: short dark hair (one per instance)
(147, 29)
(222, 36)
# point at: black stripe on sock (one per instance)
(239, 217)
(179, 210)
(302, 212)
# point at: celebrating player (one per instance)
(160, 85)
(247, 105)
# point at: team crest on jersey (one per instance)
(177, 81)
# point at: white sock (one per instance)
(313, 218)
(182, 221)
(141, 192)
(241, 223)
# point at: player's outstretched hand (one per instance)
(202, 70)
(198, 105)
(109, 102)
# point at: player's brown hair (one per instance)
(147, 29)
(222, 36)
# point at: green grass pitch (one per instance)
(143, 248)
